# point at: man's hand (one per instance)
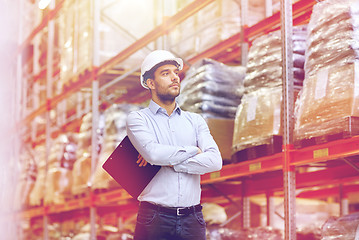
(199, 150)
(141, 161)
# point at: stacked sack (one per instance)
(330, 93)
(258, 118)
(81, 172)
(264, 68)
(212, 89)
(115, 131)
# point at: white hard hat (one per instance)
(155, 58)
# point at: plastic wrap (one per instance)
(333, 36)
(264, 68)
(115, 132)
(327, 101)
(342, 228)
(212, 89)
(258, 118)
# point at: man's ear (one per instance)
(150, 83)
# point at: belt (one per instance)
(172, 210)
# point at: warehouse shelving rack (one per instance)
(236, 180)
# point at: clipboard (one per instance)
(122, 167)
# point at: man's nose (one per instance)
(174, 77)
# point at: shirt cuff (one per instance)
(181, 167)
(190, 152)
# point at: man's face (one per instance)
(167, 82)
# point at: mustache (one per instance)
(175, 84)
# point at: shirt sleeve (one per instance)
(209, 160)
(144, 140)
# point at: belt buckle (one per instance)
(178, 212)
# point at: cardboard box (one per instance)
(222, 132)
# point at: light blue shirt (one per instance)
(172, 141)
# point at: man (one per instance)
(181, 143)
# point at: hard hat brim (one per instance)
(178, 60)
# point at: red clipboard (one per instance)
(122, 167)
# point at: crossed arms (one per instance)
(199, 159)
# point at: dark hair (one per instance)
(151, 73)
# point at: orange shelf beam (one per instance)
(318, 153)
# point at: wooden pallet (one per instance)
(350, 129)
(274, 146)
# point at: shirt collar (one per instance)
(155, 108)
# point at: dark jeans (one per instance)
(158, 225)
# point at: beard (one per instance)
(168, 96)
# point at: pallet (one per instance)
(350, 129)
(274, 146)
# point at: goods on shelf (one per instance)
(212, 89)
(222, 132)
(264, 68)
(328, 104)
(115, 132)
(332, 35)
(37, 193)
(257, 128)
(258, 123)
(341, 228)
(59, 175)
(81, 172)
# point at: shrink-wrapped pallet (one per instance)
(329, 104)
(59, 176)
(81, 172)
(115, 132)
(212, 89)
(37, 193)
(257, 130)
(258, 118)
(264, 68)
